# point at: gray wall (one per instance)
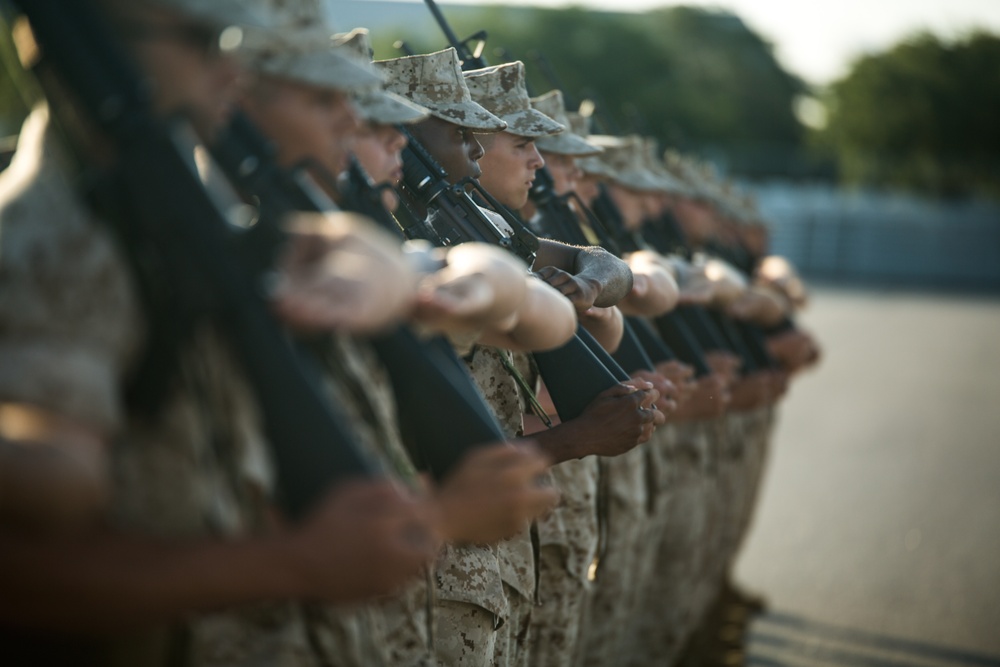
(883, 238)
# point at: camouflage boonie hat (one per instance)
(502, 91)
(578, 123)
(732, 204)
(669, 183)
(219, 13)
(623, 161)
(687, 171)
(375, 104)
(435, 81)
(567, 142)
(298, 45)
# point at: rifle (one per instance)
(427, 377)
(156, 204)
(470, 59)
(458, 218)
(360, 195)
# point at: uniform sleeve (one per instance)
(68, 317)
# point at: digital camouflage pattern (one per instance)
(71, 329)
(669, 183)
(435, 81)
(568, 539)
(470, 605)
(623, 160)
(396, 630)
(501, 90)
(493, 371)
(568, 142)
(608, 608)
(297, 45)
(375, 104)
(678, 463)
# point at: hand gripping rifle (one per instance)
(440, 413)
(158, 207)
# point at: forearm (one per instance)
(606, 326)
(53, 476)
(109, 583)
(564, 442)
(660, 294)
(503, 272)
(544, 321)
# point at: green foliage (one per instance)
(925, 115)
(697, 79)
(13, 82)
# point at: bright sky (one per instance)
(816, 40)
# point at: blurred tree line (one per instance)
(698, 80)
(923, 115)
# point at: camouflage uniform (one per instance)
(396, 630)
(471, 603)
(666, 614)
(568, 538)
(759, 425)
(645, 630)
(491, 370)
(608, 609)
(71, 329)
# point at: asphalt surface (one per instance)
(877, 535)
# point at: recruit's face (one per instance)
(509, 168)
(304, 122)
(587, 188)
(182, 57)
(378, 149)
(564, 172)
(653, 205)
(695, 217)
(454, 147)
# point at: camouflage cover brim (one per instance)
(638, 179)
(567, 143)
(219, 13)
(622, 162)
(531, 123)
(672, 185)
(385, 108)
(307, 58)
(468, 115)
(592, 166)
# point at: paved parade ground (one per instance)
(877, 537)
